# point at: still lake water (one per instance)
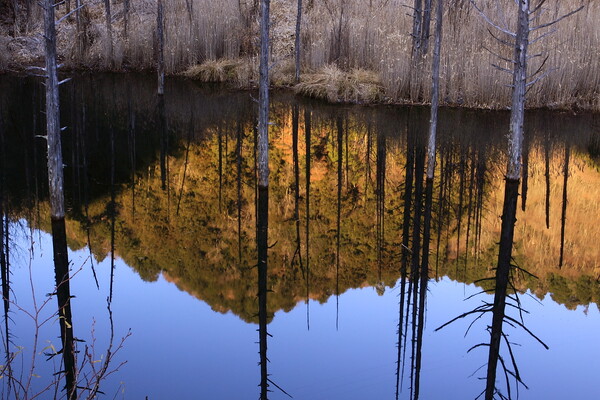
(167, 218)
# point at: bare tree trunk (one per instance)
(517, 113)
(416, 32)
(426, 26)
(435, 92)
(160, 64)
(297, 41)
(126, 8)
(109, 53)
(513, 176)
(263, 192)
(57, 205)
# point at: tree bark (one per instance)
(297, 41)
(263, 192)
(109, 55)
(57, 206)
(511, 193)
(517, 114)
(435, 92)
(160, 53)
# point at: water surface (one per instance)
(168, 216)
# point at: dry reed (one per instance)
(372, 36)
(336, 86)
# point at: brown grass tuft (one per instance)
(336, 86)
(240, 73)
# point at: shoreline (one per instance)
(231, 84)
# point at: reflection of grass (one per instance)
(197, 249)
(540, 245)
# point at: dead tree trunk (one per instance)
(297, 41)
(417, 28)
(426, 26)
(160, 48)
(126, 8)
(513, 176)
(57, 204)
(109, 44)
(263, 192)
(435, 92)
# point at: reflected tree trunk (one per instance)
(295, 125)
(238, 156)
(547, 176)
(380, 191)
(220, 140)
(563, 217)
(131, 139)
(525, 183)
(112, 211)
(187, 156)
(511, 192)
(340, 160)
(418, 291)
(405, 252)
(4, 241)
(57, 202)
(162, 130)
(307, 133)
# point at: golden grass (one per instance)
(337, 86)
(240, 73)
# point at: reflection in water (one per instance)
(329, 220)
(563, 218)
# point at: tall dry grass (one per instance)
(366, 35)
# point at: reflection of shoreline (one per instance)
(185, 236)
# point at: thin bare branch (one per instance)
(535, 28)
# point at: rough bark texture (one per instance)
(435, 91)
(55, 162)
(297, 41)
(263, 98)
(57, 204)
(109, 32)
(160, 43)
(517, 114)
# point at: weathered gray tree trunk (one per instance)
(513, 176)
(263, 192)
(435, 92)
(160, 48)
(57, 204)
(109, 51)
(297, 41)
(126, 8)
(426, 26)
(417, 27)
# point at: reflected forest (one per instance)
(170, 185)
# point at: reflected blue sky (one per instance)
(180, 348)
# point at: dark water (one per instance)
(166, 217)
